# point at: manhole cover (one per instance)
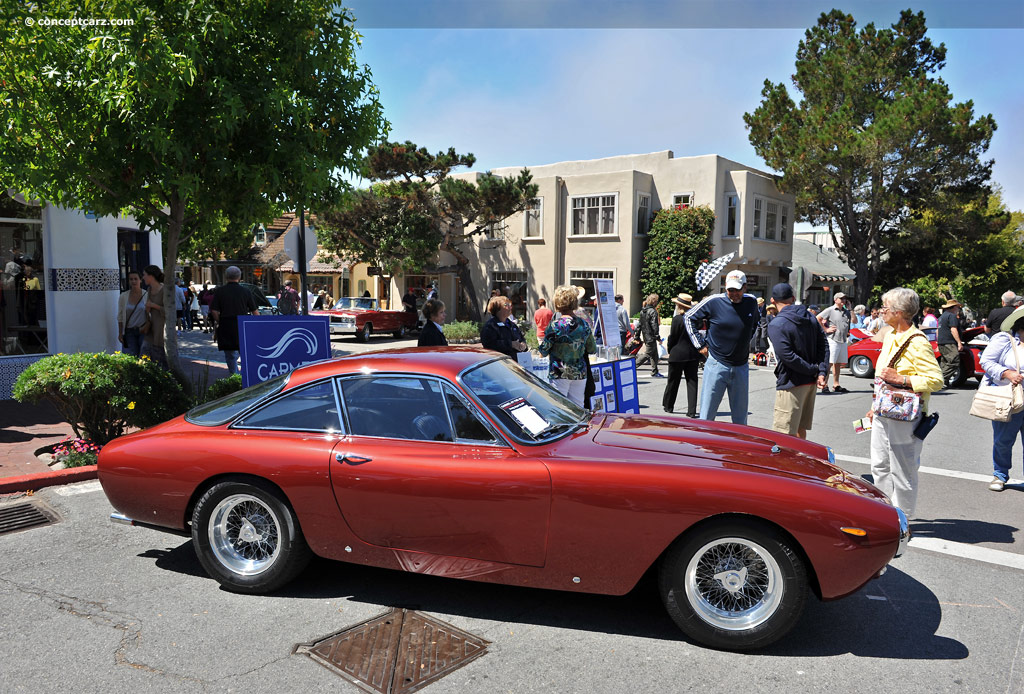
(399, 651)
(23, 516)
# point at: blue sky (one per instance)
(530, 96)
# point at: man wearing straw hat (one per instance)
(948, 339)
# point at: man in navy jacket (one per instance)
(731, 319)
(802, 351)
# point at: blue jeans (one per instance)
(719, 378)
(1004, 435)
(132, 342)
(231, 358)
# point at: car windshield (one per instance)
(528, 409)
(223, 410)
(349, 302)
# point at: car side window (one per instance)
(309, 409)
(398, 407)
(468, 426)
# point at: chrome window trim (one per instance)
(237, 424)
(499, 440)
(253, 406)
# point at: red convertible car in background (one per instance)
(457, 462)
(362, 317)
(862, 355)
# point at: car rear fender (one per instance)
(812, 574)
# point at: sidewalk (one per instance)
(24, 428)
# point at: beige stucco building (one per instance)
(591, 220)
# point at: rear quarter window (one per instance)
(223, 410)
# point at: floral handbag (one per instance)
(894, 402)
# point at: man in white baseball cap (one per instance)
(731, 318)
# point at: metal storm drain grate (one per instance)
(22, 516)
(399, 651)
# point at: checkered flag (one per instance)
(709, 271)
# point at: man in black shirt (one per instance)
(997, 315)
(948, 339)
(229, 302)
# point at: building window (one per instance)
(511, 283)
(585, 279)
(784, 223)
(361, 287)
(681, 200)
(533, 219)
(732, 203)
(643, 214)
(757, 218)
(594, 215)
(260, 235)
(22, 289)
(495, 231)
(771, 220)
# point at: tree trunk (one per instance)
(468, 291)
(177, 214)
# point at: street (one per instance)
(88, 605)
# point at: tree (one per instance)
(874, 136)
(421, 210)
(195, 108)
(678, 242)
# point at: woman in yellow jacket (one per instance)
(895, 451)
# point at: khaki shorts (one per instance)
(837, 352)
(794, 408)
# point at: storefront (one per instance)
(63, 271)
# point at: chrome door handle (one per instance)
(351, 459)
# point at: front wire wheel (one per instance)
(247, 537)
(735, 586)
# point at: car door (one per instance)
(418, 469)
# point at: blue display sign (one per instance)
(273, 345)
(615, 386)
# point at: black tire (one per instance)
(364, 334)
(400, 333)
(767, 587)
(861, 366)
(247, 537)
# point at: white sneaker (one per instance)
(996, 484)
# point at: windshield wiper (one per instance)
(556, 428)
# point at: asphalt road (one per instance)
(87, 605)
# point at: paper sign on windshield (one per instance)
(525, 415)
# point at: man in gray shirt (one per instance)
(835, 321)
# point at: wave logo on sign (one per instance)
(301, 335)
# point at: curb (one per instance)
(24, 483)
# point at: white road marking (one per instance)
(960, 549)
(972, 476)
(84, 488)
(877, 597)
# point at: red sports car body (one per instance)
(362, 317)
(862, 355)
(457, 463)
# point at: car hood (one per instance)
(726, 445)
(339, 312)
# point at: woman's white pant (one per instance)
(895, 459)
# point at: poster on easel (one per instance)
(605, 312)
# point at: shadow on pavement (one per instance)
(961, 530)
(901, 626)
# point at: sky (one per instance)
(530, 82)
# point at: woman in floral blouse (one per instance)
(566, 341)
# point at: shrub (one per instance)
(462, 330)
(100, 395)
(76, 452)
(222, 387)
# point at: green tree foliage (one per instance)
(419, 209)
(196, 108)
(679, 241)
(957, 249)
(101, 395)
(874, 137)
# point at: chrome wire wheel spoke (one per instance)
(734, 583)
(245, 534)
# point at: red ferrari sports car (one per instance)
(863, 353)
(459, 463)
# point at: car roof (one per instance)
(446, 362)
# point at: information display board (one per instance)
(615, 386)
